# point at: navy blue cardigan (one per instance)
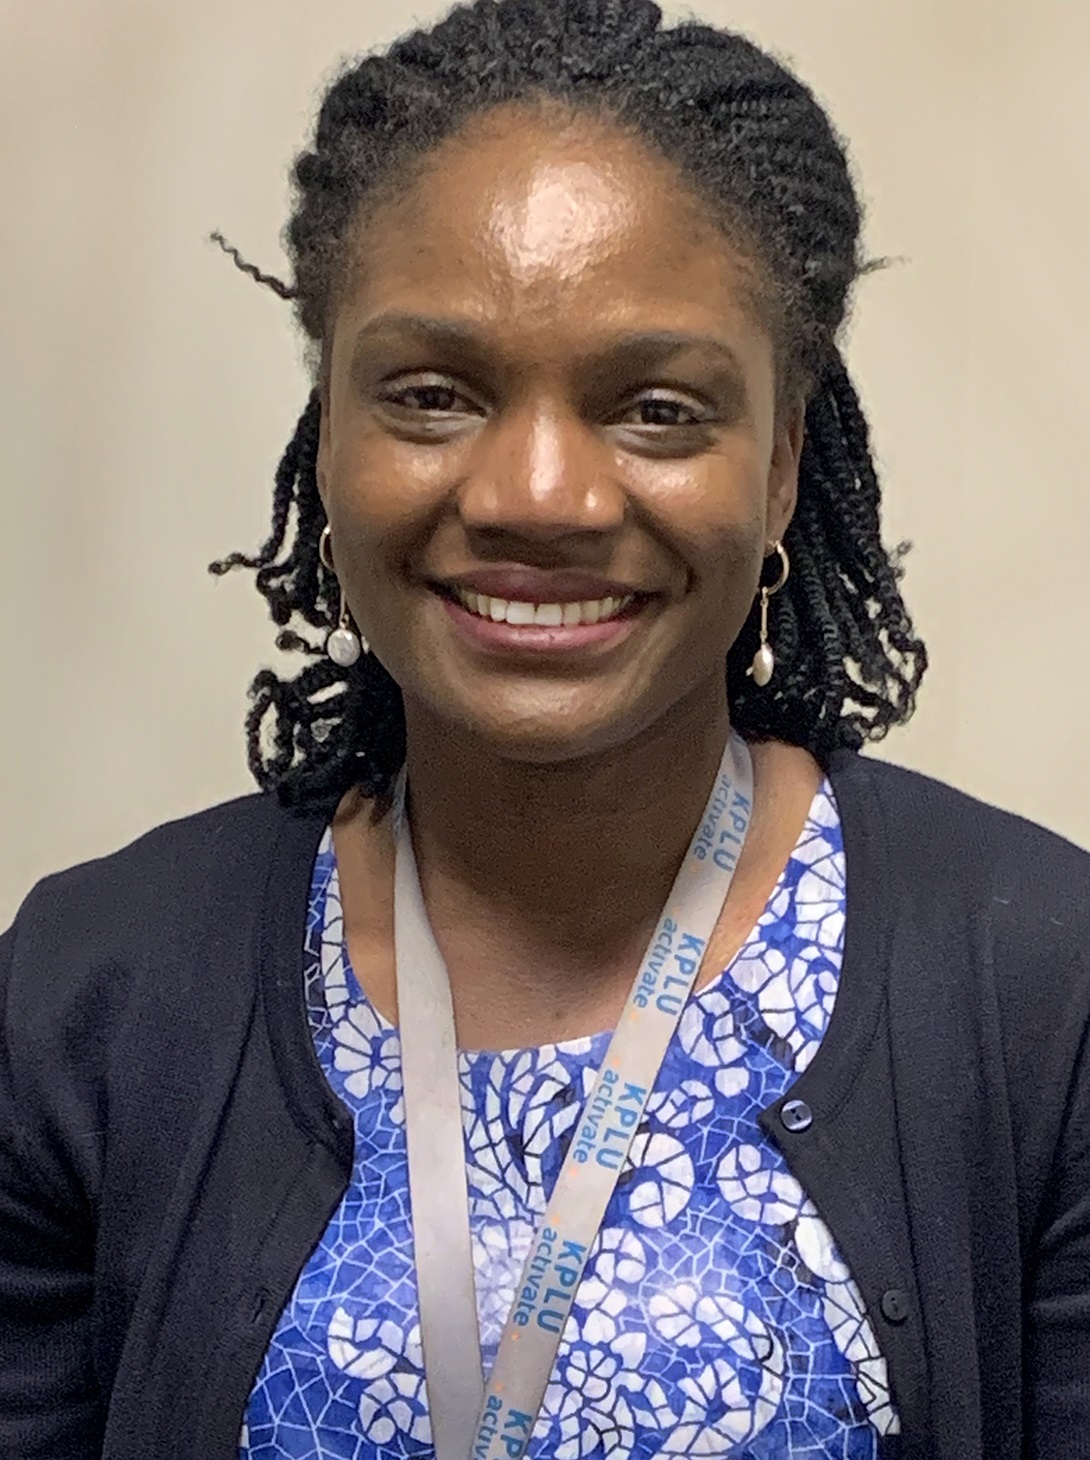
(170, 1151)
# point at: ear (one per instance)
(783, 472)
(322, 462)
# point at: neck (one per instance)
(557, 871)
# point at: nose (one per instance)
(541, 473)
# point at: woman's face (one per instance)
(551, 455)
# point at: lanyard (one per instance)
(472, 1421)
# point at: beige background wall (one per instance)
(146, 389)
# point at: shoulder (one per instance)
(171, 867)
(986, 909)
(136, 972)
(182, 898)
(956, 844)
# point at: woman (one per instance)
(580, 437)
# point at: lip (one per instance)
(539, 639)
(537, 585)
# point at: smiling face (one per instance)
(551, 453)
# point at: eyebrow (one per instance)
(643, 348)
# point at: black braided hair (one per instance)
(756, 146)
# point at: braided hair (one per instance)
(754, 144)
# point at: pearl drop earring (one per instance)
(345, 644)
(764, 661)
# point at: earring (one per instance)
(764, 661)
(345, 644)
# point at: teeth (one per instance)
(550, 615)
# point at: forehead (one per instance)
(552, 224)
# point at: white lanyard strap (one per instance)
(471, 1421)
(437, 1169)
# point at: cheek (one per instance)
(383, 496)
(711, 512)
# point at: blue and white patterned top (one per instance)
(716, 1316)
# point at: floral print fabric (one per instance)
(716, 1316)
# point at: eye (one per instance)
(664, 410)
(433, 395)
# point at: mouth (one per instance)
(549, 625)
(574, 613)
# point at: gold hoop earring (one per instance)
(764, 661)
(345, 644)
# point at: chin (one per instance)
(542, 749)
(573, 729)
(534, 720)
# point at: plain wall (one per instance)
(147, 389)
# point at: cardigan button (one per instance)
(895, 1305)
(796, 1116)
